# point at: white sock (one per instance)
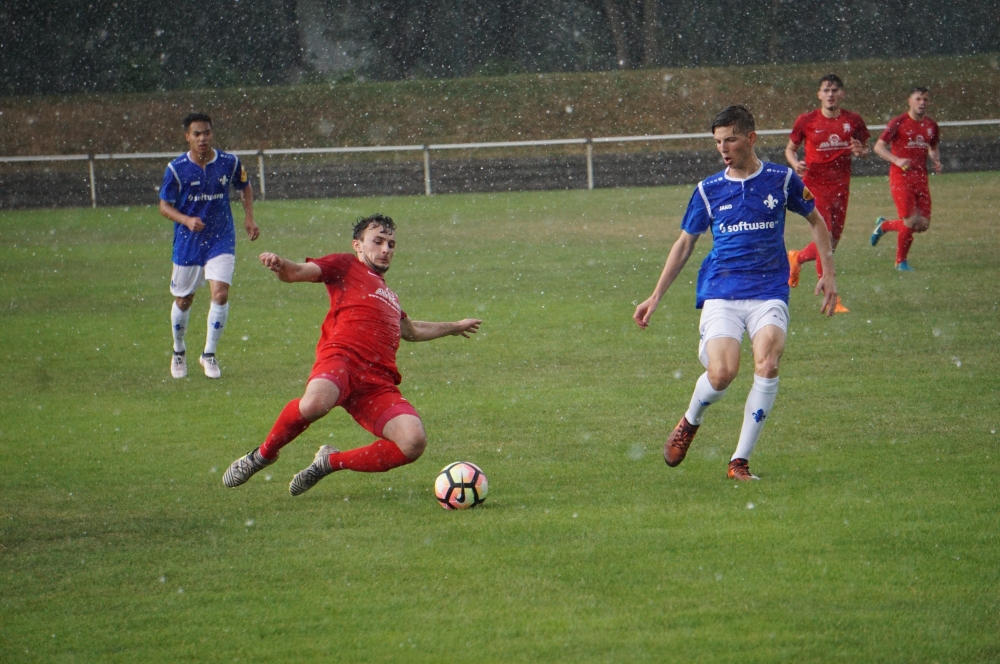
(704, 396)
(759, 404)
(217, 315)
(179, 324)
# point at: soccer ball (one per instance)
(460, 485)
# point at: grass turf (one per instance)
(871, 537)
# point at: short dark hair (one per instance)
(386, 224)
(196, 117)
(919, 88)
(833, 79)
(737, 117)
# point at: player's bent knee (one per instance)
(313, 406)
(721, 377)
(413, 448)
(767, 368)
(407, 431)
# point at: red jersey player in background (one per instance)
(906, 143)
(355, 362)
(832, 136)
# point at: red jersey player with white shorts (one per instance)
(832, 136)
(355, 362)
(906, 143)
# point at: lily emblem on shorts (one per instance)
(771, 202)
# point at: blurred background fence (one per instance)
(577, 163)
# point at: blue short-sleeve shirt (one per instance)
(203, 193)
(747, 219)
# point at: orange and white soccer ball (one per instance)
(461, 485)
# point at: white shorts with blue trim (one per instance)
(731, 318)
(186, 279)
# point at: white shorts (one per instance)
(731, 318)
(186, 279)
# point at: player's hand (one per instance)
(937, 167)
(465, 327)
(273, 262)
(801, 167)
(858, 149)
(827, 286)
(195, 224)
(644, 311)
(252, 231)
(903, 164)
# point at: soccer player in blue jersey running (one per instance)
(743, 282)
(195, 196)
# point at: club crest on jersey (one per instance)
(847, 127)
(223, 180)
(770, 202)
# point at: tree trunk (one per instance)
(619, 32)
(650, 22)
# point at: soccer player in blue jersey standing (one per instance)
(743, 282)
(195, 196)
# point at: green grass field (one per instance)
(872, 537)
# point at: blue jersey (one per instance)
(203, 193)
(747, 218)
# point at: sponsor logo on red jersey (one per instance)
(386, 295)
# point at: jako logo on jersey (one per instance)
(744, 226)
(725, 207)
(388, 297)
(770, 202)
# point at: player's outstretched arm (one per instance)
(418, 330)
(679, 254)
(246, 200)
(290, 271)
(827, 285)
(194, 224)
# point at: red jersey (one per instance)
(911, 140)
(364, 314)
(828, 143)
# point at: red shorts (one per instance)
(831, 203)
(911, 194)
(371, 399)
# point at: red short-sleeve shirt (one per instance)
(911, 140)
(364, 314)
(828, 143)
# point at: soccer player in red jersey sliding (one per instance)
(355, 362)
(832, 136)
(906, 143)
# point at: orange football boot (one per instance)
(794, 268)
(739, 469)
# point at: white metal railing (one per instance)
(426, 149)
